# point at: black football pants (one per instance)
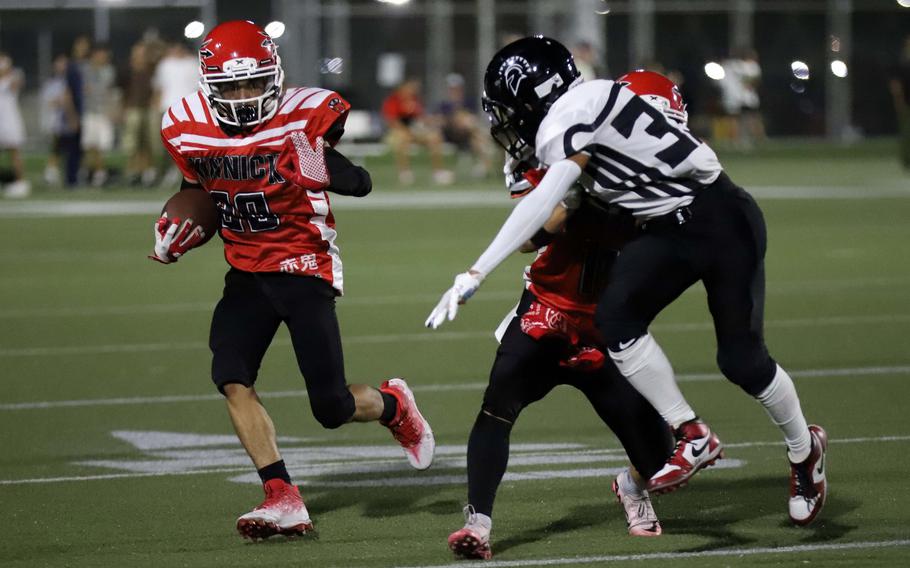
(723, 245)
(246, 319)
(524, 371)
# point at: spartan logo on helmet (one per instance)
(514, 73)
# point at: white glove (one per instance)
(464, 287)
(174, 238)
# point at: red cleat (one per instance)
(808, 482)
(697, 447)
(282, 512)
(409, 427)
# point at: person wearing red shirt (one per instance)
(403, 112)
(549, 339)
(266, 156)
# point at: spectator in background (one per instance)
(404, 115)
(900, 91)
(176, 75)
(458, 120)
(141, 121)
(99, 106)
(12, 131)
(587, 61)
(739, 98)
(58, 116)
(70, 143)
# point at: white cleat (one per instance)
(808, 480)
(409, 427)
(473, 539)
(640, 515)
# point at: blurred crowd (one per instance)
(89, 106)
(93, 109)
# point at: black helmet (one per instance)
(521, 83)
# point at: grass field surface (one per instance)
(118, 452)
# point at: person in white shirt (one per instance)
(176, 76)
(12, 130)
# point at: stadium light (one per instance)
(839, 68)
(715, 70)
(275, 29)
(903, 3)
(193, 29)
(800, 70)
(394, 2)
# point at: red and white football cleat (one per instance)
(640, 515)
(282, 512)
(697, 447)
(808, 482)
(473, 539)
(409, 427)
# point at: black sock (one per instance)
(488, 456)
(390, 407)
(275, 470)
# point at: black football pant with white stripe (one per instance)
(525, 371)
(723, 245)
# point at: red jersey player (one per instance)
(549, 340)
(265, 154)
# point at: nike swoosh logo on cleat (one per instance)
(698, 451)
(819, 473)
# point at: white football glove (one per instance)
(174, 238)
(461, 291)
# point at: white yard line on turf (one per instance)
(435, 199)
(428, 336)
(834, 546)
(472, 386)
(231, 469)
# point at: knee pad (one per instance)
(749, 367)
(333, 411)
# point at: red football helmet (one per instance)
(241, 51)
(658, 91)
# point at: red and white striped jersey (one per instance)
(268, 224)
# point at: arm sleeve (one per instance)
(344, 177)
(529, 215)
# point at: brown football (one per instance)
(197, 205)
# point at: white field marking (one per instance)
(796, 549)
(445, 387)
(431, 336)
(184, 307)
(383, 451)
(436, 199)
